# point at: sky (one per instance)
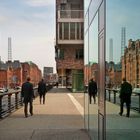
(31, 26)
(121, 13)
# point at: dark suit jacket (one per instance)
(42, 87)
(126, 91)
(92, 87)
(27, 92)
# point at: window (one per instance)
(66, 30)
(60, 30)
(79, 54)
(72, 30)
(61, 54)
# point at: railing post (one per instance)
(109, 91)
(114, 96)
(21, 102)
(0, 106)
(139, 103)
(16, 100)
(9, 103)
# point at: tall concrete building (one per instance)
(69, 43)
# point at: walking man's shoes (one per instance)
(120, 114)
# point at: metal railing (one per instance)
(112, 95)
(70, 13)
(11, 101)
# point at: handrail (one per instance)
(116, 91)
(11, 101)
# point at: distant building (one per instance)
(32, 70)
(14, 73)
(114, 74)
(69, 43)
(131, 63)
(90, 71)
(47, 74)
(47, 70)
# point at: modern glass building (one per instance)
(94, 50)
(111, 52)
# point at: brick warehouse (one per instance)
(14, 73)
(131, 63)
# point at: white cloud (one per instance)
(39, 3)
(3, 19)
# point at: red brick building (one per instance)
(115, 74)
(3, 78)
(13, 74)
(30, 69)
(90, 71)
(131, 63)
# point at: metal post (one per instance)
(109, 91)
(16, 100)
(115, 96)
(0, 106)
(139, 103)
(9, 103)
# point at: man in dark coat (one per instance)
(92, 90)
(27, 93)
(42, 90)
(125, 96)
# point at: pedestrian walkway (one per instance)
(58, 119)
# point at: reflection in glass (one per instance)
(124, 29)
(93, 64)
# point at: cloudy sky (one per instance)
(31, 25)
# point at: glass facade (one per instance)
(122, 57)
(112, 52)
(93, 61)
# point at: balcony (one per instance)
(76, 15)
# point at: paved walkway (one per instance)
(61, 118)
(58, 119)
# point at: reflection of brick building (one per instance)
(131, 63)
(15, 73)
(114, 74)
(90, 71)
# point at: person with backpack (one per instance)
(125, 97)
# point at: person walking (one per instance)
(92, 90)
(125, 97)
(42, 90)
(27, 93)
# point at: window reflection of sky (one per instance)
(121, 14)
(93, 41)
